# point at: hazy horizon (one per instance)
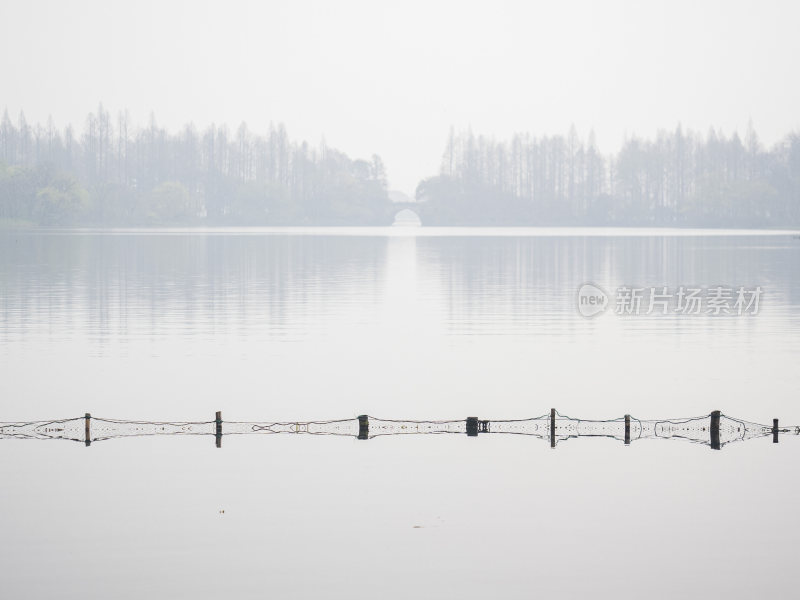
(394, 80)
(233, 338)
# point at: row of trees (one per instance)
(680, 178)
(114, 173)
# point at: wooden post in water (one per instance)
(363, 427)
(87, 429)
(715, 415)
(472, 426)
(552, 427)
(774, 431)
(627, 429)
(218, 428)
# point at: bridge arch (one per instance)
(406, 217)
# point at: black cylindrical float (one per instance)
(363, 427)
(715, 415)
(627, 429)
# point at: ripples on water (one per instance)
(304, 324)
(294, 286)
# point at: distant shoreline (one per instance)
(422, 231)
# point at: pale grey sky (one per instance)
(391, 78)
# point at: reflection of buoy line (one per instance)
(714, 429)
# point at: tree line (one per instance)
(680, 178)
(112, 173)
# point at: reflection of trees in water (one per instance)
(214, 283)
(520, 280)
(206, 283)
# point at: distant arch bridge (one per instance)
(407, 213)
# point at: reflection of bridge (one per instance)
(714, 430)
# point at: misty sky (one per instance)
(392, 79)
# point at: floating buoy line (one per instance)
(714, 429)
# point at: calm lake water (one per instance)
(305, 324)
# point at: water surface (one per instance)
(312, 324)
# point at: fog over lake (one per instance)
(416, 301)
(314, 324)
